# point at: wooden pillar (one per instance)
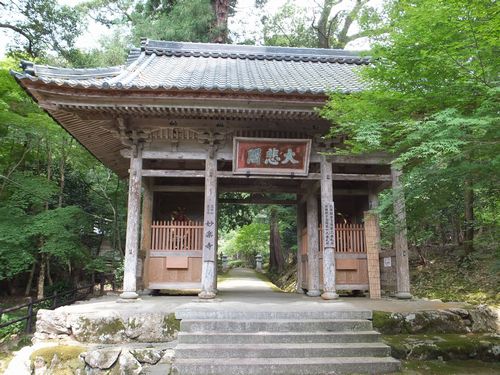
(372, 240)
(147, 221)
(400, 236)
(133, 219)
(209, 267)
(328, 225)
(300, 226)
(312, 246)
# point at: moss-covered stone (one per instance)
(171, 325)
(479, 319)
(62, 359)
(105, 330)
(386, 323)
(446, 346)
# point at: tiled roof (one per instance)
(199, 66)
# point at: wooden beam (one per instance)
(263, 200)
(178, 189)
(400, 236)
(312, 247)
(301, 215)
(147, 219)
(132, 236)
(186, 152)
(328, 222)
(173, 173)
(228, 174)
(178, 155)
(209, 267)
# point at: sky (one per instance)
(246, 21)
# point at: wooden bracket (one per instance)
(132, 138)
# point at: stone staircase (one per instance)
(279, 340)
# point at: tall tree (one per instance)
(40, 25)
(276, 259)
(330, 24)
(433, 101)
(177, 20)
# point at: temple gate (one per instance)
(188, 121)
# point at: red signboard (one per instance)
(271, 156)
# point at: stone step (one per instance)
(236, 326)
(276, 337)
(286, 366)
(199, 314)
(303, 350)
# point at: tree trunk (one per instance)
(469, 216)
(27, 291)
(276, 261)
(221, 10)
(41, 277)
(47, 267)
(49, 169)
(323, 29)
(62, 167)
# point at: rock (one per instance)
(101, 358)
(128, 365)
(145, 328)
(51, 324)
(114, 329)
(147, 355)
(484, 319)
(103, 329)
(482, 347)
(168, 356)
(39, 366)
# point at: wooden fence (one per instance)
(349, 238)
(176, 235)
(57, 299)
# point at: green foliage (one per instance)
(326, 24)
(433, 103)
(233, 216)
(40, 26)
(247, 241)
(289, 27)
(186, 20)
(38, 216)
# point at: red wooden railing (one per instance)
(176, 235)
(349, 238)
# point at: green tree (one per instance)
(176, 20)
(40, 26)
(433, 102)
(57, 202)
(330, 24)
(248, 241)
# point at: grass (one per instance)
(450, 277)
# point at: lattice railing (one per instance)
(176, 235)
(349, 238)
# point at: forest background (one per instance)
(432, 102)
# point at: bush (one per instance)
(236, 263)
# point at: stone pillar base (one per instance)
(329, 295)
(313, 293)
(128, 297)
(204, 294)
(403, 295)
